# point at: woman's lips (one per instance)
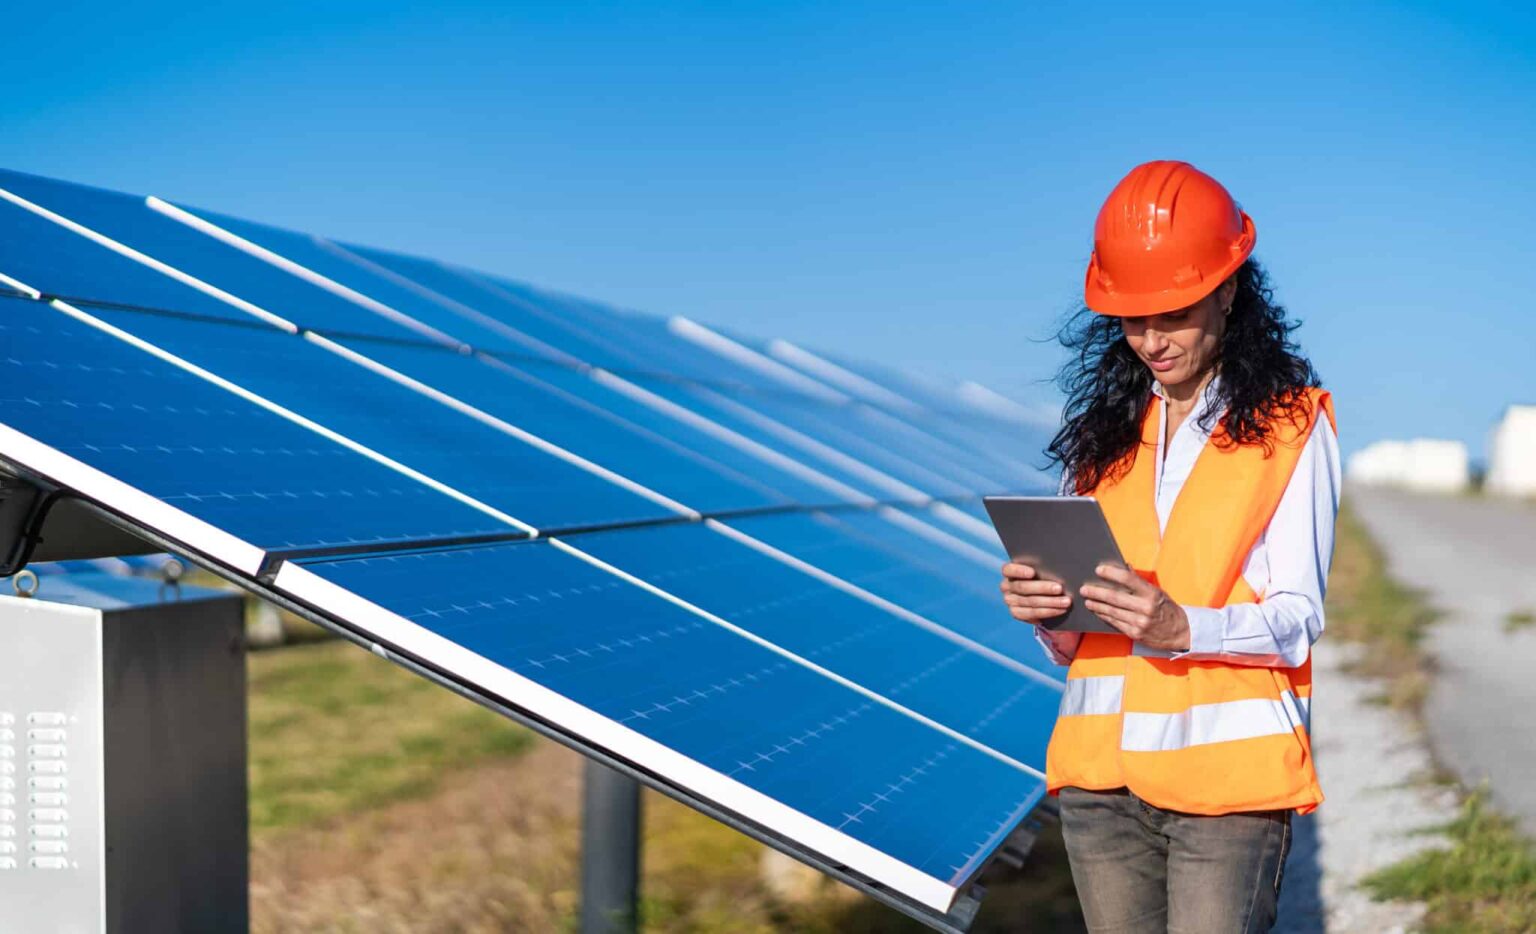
(1161, 366)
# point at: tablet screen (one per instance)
(1064, 538)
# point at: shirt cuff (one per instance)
(1207, 631)
(1060, 646)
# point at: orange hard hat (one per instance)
(1166, 237)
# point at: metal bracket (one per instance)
(40, 522)
(23, 509)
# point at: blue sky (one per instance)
(913, 183)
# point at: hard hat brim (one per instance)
(1146, 304)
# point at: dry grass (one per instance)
(336, 730)
(382, 803)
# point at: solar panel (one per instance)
(95, 414)
(885, 560)
(506, 473)
(518, 397)
(980, 435)
(497, 308)
(764, 735)
(129, 220)
(723, 571)
(57, 261)
(851, 636)
(325, 263)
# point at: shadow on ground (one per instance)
(1301, 894)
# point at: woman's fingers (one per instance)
(1060, 603)
(1032, 588)
(1033, 614)
(1123, 576)
(1117, 598)
(1129, 622)
(1030, 599)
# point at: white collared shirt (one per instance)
(1288, 566)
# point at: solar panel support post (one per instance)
(610, 851)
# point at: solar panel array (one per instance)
(756, 575)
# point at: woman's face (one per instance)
(1180, 347)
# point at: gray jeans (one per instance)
(1140, 868)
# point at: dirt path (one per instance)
(1475, 557)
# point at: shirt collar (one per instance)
(1206, 394)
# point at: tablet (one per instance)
(1064, 538)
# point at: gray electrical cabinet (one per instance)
(122, 759)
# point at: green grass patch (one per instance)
(1366, 605)
(335, 730)
(1486, 881)
(1519, 619)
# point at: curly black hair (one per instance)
(1263, 378)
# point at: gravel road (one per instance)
(1475, 558)
(1370, 759)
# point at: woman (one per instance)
(1182, 747)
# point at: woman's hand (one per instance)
(1146, 613)
(1030, 599)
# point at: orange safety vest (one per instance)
(1203, 737)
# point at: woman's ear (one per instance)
(1226, 293)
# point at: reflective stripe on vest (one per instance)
(1214, 723)
(1196, 736)
(1086, 697)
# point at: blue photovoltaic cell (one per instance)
(965, 568)
(791, 486)
(852, 637)
(739, 415)
(652, 345)
(202, 449)
(892, 563)
(753, 715)
(127, 219)
(498, 469)
(943, 516)
(908, 448)
(335, 263)
(513, 310)
(974, 507)
(55, 261)
(896, 449)
(642, 455)
(1015, 441)
(982, 536)
(644, 345)
(908, 452)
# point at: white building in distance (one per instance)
(1426, 465)
(1512, 453)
